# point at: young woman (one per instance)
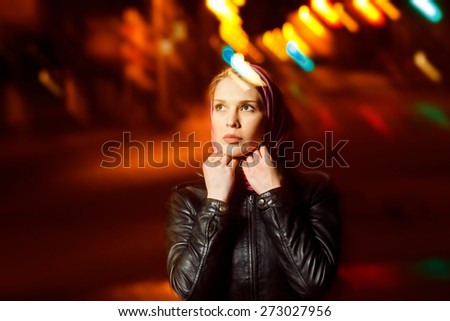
(251, 228)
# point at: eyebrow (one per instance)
(240, 102)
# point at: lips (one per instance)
(232, 139)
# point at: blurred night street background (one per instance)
(77, 74)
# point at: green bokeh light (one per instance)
(433, 268)
(434, 114)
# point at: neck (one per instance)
(241, 180)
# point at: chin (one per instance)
(233, 150)
(237, 151)
(236, 155)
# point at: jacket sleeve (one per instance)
(194, 246)
(306, 238)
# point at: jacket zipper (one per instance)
(252, 249)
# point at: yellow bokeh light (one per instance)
(305, 16)
(369, 12)
(324, 9)
(225, 11)
(275, 42)
(389, 9)
(422, 62)
(346, 19)
(289, 34)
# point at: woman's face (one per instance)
(238, 116)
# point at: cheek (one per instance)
(215, 124)
(258, 128)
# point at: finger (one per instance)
(256, 157)
(244, 163)
(247, 170)
(250, 161)
(226, 159)
(233, 164)
(264, 151)
(214, 158)
(220, 160)
(213, 161)
(266, 155)
(244, 166)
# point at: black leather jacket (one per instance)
(280, 245)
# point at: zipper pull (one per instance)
(250, 201)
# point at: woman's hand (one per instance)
(260, 171)
(219, 173)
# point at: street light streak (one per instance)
(369, 12)
(300, 59)
(230, 29)
(224, 10)
(289, 34)
(324, 9)
(428, 9)
(422, 62)
(346, 19)
(305, 16)
(243, 68)
(388, 8)
(275, 42)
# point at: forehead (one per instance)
(234, 88)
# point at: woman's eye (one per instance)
(219, 107)
(247, 108)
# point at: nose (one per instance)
(232, 120)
